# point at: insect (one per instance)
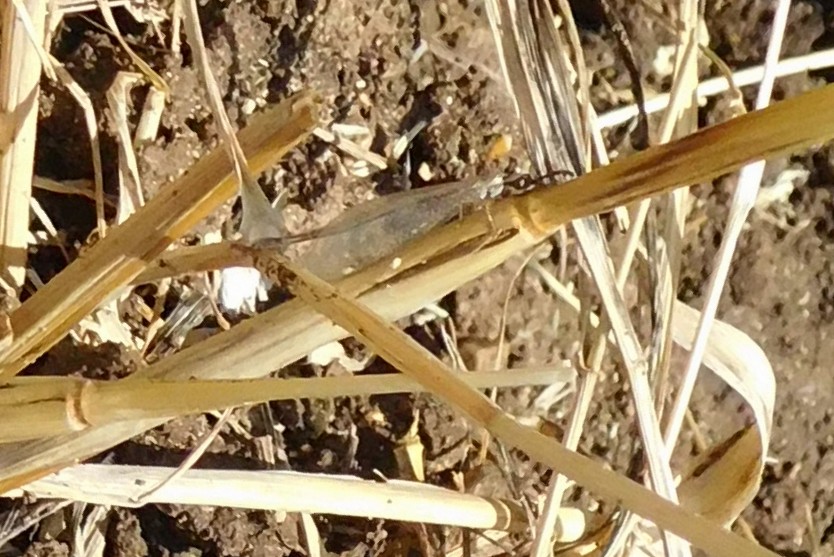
(379, 227)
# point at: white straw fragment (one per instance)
(716, 85)
(744, 199)
(278, 490)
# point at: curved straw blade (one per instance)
(714, 487)
(728, 476)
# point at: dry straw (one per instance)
(362, 303)
(438, 263)
(20, 72)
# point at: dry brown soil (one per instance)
(358, 55)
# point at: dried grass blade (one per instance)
(312, 538)
(88, 530)
(729, 474)
(83, 99)
(147, 71)
(260, 220)
(33, 408)
(724, 482)
(148, 126)
(20, 72)
(130, 183)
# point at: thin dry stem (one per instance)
(259, 218)
(38, 407)
(188, 463)
(147, 71)
(20, 71)
(717, 85)
(83, 99)
(130, 183)
(744, 199)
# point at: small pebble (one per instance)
(424, 172)
(249, 106)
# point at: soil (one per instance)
(360, 56)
